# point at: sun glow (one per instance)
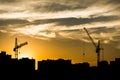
(25, 54)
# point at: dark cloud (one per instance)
(3, 11)
(111, 33)
(73, 30)
(5, 22)
(7, 1)
(114, 1)
(99, 30)
(62, 5)
(76, 21)
(54, 7)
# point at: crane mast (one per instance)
(15, 49)
(98, 48)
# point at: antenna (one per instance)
(15, 49)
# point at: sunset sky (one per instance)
(54, 28)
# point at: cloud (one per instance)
(99, 30)
(77, 21)
(49, 30)
(71, 5)
(7, 1)
(63, 19)
(6, 22)
(3, 11)
(39, 9)
(57, 6)
(114, 1)
(106, 34)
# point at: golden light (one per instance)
(25, 54)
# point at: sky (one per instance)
(54, 29)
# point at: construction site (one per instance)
(98, 47)
(59, 69)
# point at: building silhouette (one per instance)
(60, 69)
(23, 68)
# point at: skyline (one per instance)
(54, 29)
(24, 68)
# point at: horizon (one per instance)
(36, 62)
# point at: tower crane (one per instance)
(15, 49)
(97, 46)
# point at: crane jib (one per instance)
(17, 47)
